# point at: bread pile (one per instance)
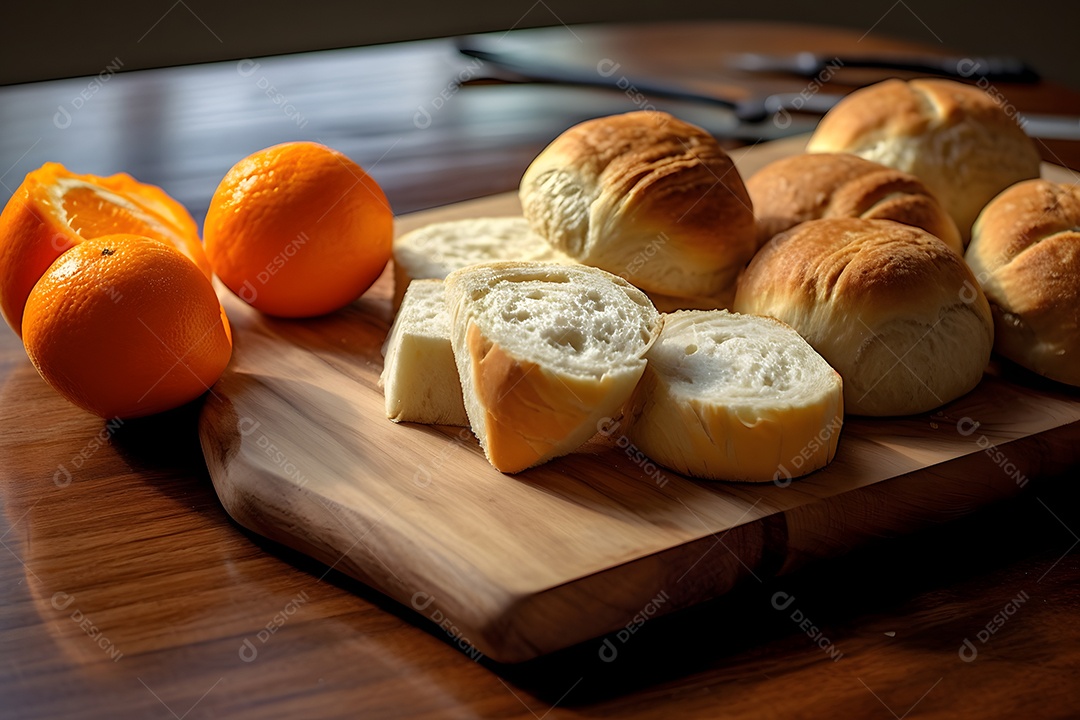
(538, 357)
(850, 288)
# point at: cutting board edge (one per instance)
(517, 631)
(779, 558)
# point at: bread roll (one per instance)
(544, 352)
(419, 377)
(953, 137)
(736, 397)
(647, 197)
(892, 308)
(823, 185)
(1025, 251)
(436, 250)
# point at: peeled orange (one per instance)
(54, 209)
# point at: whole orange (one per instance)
(126, 326)
(298, 230)
(54, 209)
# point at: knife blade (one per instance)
(751, 110)
(810, 64)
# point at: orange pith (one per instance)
(298, 230)
(54, 209)
(126, 326)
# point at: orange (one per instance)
(55, 209)
(298, 230)
(125, 326)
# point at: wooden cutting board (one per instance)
(300, 451)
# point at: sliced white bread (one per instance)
(736, 397)
(419, 377)
(436, 250)
(544, 352)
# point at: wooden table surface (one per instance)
(126, 591)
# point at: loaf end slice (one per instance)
(419, 378)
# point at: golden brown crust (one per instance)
(527, 410)
(895, 108)
(879, 266)
(495, 375)
(1023, 216)
(960, 141)
(885, 108)
(670, 173)
(609, 190)
(1026, 254)
(825, 185)
(896, 312)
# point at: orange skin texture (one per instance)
(125, 326)
(54, 210)
(298, 230)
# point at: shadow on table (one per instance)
(927, 582)
(852, 603)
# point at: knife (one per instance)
(809, 64)
(754, 110)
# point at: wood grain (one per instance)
(140, 540)
(297, 444)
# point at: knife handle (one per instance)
(1004, 69)
(992, 68)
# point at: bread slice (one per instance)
(544, 352)
(419, 377)
(434, 251)
(736, 397)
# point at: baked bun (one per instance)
(1025, 251)
(544, 352)
(436, 250)
(891, 307)
(736, 397)
(647, 197)
(954, 137)
(825, 185)
(419, 377)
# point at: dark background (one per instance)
(65, 38)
